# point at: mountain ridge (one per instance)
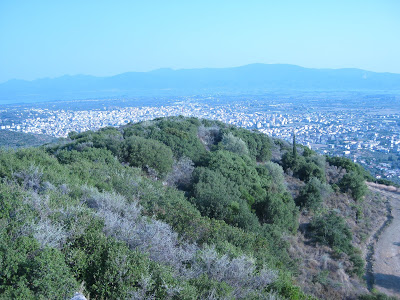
(253, 78)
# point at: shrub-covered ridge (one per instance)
(174, 208)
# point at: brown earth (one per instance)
(386, 265)
(322, 272)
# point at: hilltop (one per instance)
(249, 79)
(183, 208)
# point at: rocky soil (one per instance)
(386, 258)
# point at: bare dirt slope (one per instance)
(386, 267)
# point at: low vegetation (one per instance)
(13, 139)
(175, 208)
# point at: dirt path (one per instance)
(386, 265)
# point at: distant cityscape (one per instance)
(367, 131)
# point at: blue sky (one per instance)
(53, 38)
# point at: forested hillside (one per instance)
(182, 208)
(12, 139)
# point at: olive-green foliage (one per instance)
(106, 138)
(258, 144)
(15, 161)
(241, 170)
(289, 161)
(97, 262)
(358, 267)
(270, 201)
(277, 206)
(234, 144)
(178, 133)
(15, 139)
(279, 210)
(215, 196)
(307, 152)
(229, 192)
(304, 167)
(212, 288)
(272, 177)
(349, 165)
(331, 229)
(219, 198)
(111, 271)
(314, 167)
(312, 194)
(386, 182)
(90, 166)
(286, 289)
(144, 153)
(353, 182)
(28, 271)
(172, 207)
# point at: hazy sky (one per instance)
(52, 38)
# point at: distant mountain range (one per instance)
(253, 79)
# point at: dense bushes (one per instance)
(258, 145)
(240, 170)
(28, 272)
(27, 268)
(234, 144)
(144, 153)
(279, 210)
(218, 197)
(304, 167)
(330, 229)
(354, 183)
(311, 196)
(178, 133)
(349, 165)
(212, 222)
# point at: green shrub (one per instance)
(331, 229)
(354, 183)
(272, 177)
(178, 133)
(240, 170)
(279, 210)
(145, 153)
(258, 144)
(234, 144)
(358, 267)
(29, 272)
(219, 198)
(304, 167)
(311, 195)
(349, 165)
(285, 288)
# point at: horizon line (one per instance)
(200, 68)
